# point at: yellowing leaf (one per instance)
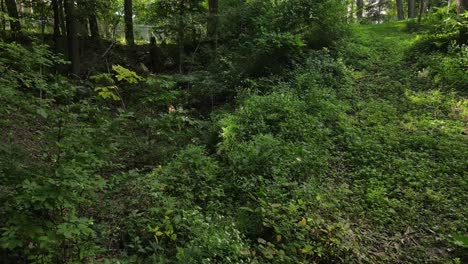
(303, 222)
(278, 238)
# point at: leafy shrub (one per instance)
(191, 176)
(214, 239)
(165, 220)
(269, 36)
(442, 28)
(45, 221)
(277, 151)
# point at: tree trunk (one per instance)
(462, 6)
(181, 35)
(360, 8)
(56, 10)
(63, 28)
(421, 9)
(128, 14)
(13, 13)
(72, 36)
(401, 13)
(81, 16)
(156, 61)
(411, 8)
(212, 26)
(93, 22)
(3, 17)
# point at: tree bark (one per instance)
(3, 17)
(421, 10)
(128, 14)
(156, 61)
(13, 13)
(462, 6)
(72, 37)
(93, 22)
(181, 35)
(401, 13)
(63, 28)
(56, 10)
(360, 8)
(212, 26)
(411, 8)
(81, 11)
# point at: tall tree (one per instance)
(81, 14)
(63, 28)
(212, 26)
(92, 19)
(72, 36)
(360, 9)
(462, 6)
(422, 8)
(411, 8)
(128, 14)
(13, 13)
(400, 12)
(2, 19)
(181, 34)
(56, 11)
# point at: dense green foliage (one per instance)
(297, 139)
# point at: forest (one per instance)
(233, 131)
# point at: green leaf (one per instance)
(124, 74)
(42, 112)
(460, 240)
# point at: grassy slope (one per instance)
(397, 155)
(400, 161)
(409, 166)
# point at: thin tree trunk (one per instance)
(55, 8)
(155, 56)
(43, 25)
(81, 12)
(128, 13)
(13, 13)
(212, 26)
(411, 8)
(93, 22)
(462, 6)
(360, 8)
(63, 28)
(72, 37)
(421, 9)
(2, 8)
(401, 13)
(181, 35)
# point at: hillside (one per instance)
(268, 145)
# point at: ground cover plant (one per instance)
(222, 131)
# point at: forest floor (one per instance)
(381, 51)
(417, 129)
(358, 155)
